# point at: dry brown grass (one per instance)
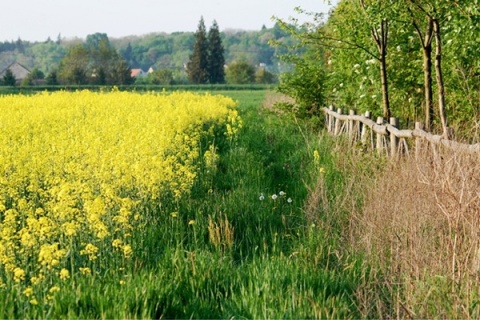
(421, 222)
(272, 98)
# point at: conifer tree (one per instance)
(197, 67)
(9, 78)
(216, 59)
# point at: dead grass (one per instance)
(418, 223)
(421, 222)
(273, 98)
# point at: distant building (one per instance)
(19, 72)
(138, 73)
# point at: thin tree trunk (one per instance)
(384, 79)
(427, 73)
(439, 77)
(381, 40)
(426, 40)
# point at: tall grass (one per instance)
(256, 238)
(421, 223)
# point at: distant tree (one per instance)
(128, 53)
(119, 72)
(73, 68)
(19, 45)
(240, 72)
(197, 67)
(162, 77)
(216, 59)
(35, 74)
(51, 78)
(96, 62)
(263, 76)
(9, 78)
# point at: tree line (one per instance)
(248, 53)
(414, 59)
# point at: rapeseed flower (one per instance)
(76, 166)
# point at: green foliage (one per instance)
(305, 83)
(34, 76)
(240, 72)
(162, 77)
(216, 59)
(197, 67)
(73, 67)
(9, 78)
(263, 76)
(95, 62)
(51, 79)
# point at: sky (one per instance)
(36, 20)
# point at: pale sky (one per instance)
(36, 20)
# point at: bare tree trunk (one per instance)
(381, 39)
(439, 77)
(384, 79)
(426, 40)
(427, 74)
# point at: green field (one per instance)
(250, 241)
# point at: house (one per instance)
(19, 71)
(138, 73)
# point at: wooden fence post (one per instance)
(351, 126)
(338, 123)
(393, 138)
(418, 140)
(330, 121)
(363, 133)
(379, 136)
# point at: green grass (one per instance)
(276, 265)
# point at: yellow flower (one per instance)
(90, 250)
(54, 289)
(36, 280)
(191, 222)
(33, 301)
(18, 274)
(85, 271)
(28, 291)
(64, 274)
(127, 251)
(117, 243)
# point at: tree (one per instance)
(119, 72)
(197, 67)
(96, 62)
(51, 78)
(74, 66)
(216, 59)
(263, 76)
(9, 78)
(240, 72)
(162, 77)
(34, 75)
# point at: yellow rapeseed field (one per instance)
(74, 167)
